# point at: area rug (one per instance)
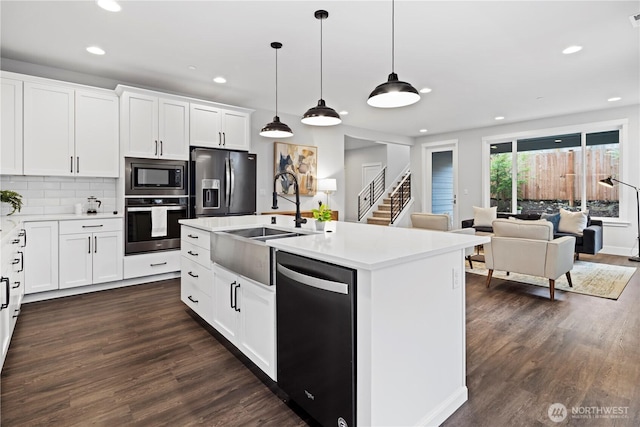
(589, 278)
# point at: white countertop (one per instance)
(8, 223)
(354, 245)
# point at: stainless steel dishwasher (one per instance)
(316, 309)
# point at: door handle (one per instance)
(89, 244)
(71, 164)
(95, 244)
(235, 293)
(161, 148)
(7, 292)
(231, 285)
(77, 164)
(156, 153)
(219, 138)
(224, 138)
(21, 261)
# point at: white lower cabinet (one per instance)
(11, 286)
(244, 313)
(196, 284)
(90, 257)
(41, 256)
(151, 263)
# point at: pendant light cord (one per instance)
(276, 82)
(393, 32)
(321, 19)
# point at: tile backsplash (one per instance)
(58, 194)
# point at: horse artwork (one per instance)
(301, 161)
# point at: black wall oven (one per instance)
(147, 177)
(151, 223)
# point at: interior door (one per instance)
(369, 171)
(440, 180)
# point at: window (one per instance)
(542, 174)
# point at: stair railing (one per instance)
(371, 192)
(400, 196)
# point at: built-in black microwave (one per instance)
(155, 177)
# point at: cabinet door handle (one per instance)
(161, 148)
(219, 138)
(95, 244)
(192, 253)
(192, 275)
(192, 236)
(77, 164)
(192, 300)
(156, 148)
(7, 292)
(89, 244)
(235, 292)
(23, 233)
(21, 261)
(224, 138)
(157, 264)
(231, 285)
(71, 164)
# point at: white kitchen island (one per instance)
(410, 312)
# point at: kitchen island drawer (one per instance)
(151, 263)
(196, 253)
(200, 276)
(90, 225)
(197, 300)
(195, 236)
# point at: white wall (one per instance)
(619, 238)
(353, 161)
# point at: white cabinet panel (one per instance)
(97, 140)
(215, 127)
(75, 260)
(235, 134)
(48, 129)
(139, 125)
(11, 128)
(41, 256)
(174, 129)
(151, 263)
(225, 313)
(107, 256)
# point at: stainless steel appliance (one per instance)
(222, 182)
(141, 236)
(151, 177)
(316, 312)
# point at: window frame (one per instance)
(621, 125)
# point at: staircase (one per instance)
(401, 193)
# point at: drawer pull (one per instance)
(16, 285)
(92, 226)
(192, 236)
(158, 263)
(16, 313)
(192, 300)
(193, 253)
(15, 241)
(192, 275)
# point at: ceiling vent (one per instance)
(635, 20)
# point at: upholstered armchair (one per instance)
(528, 247)
(440, 222)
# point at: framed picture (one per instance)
(302, 162)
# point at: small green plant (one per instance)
(13, 198)
(322, 214)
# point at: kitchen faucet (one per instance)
(299, 220)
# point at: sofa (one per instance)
(529, 247)
(440, 222)
(590, 242)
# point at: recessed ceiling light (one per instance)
(343, 113)
(614, 99)
(110, 5)
(499, 117)
(192, 67)
(95, 50)
(425, 90)
(557, 140)
(423, 130)
(572, 49)
(220, 79)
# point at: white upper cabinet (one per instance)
(11, 119)
(215, 127)
(154, 127)
(49, 113)
(69, 132)
(96, 134)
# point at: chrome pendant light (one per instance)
(276, 129)
(321, 115)
(393, 93)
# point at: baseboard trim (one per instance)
(446, 408)
(59, 293)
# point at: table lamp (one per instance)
(327, 185)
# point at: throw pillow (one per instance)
(553, 219)
(483, 217)
(572, 222)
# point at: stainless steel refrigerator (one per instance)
(221, 182)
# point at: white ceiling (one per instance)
(481, 58)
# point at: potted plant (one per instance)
(13, 198)
(321, 215)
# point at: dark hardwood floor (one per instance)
(136, 356)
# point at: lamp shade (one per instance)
(607, 182)
(393, 93)
(276, 129)
(321, 115)
(326, 185)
